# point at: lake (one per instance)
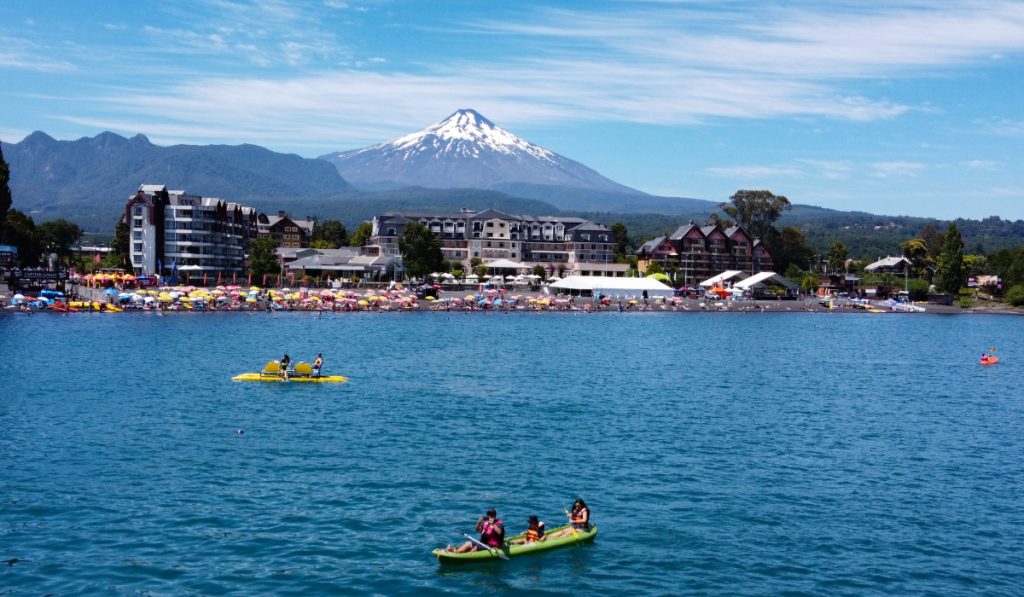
(720, 453)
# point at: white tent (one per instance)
(613, 287)
(723, 277)
(506, 264)
(764, 277)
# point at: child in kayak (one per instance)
(534, 533)
(492, 534)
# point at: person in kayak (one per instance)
(492, 534)
(317, 364)
(285, 362)
(579, 519)
(534, 533)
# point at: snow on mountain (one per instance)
(465, 150)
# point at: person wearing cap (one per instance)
(492, 534)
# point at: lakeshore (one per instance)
(191, 299)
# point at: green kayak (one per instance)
(512, 550)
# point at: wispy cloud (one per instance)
(897, 169)
(986, 165)
(1002, 127)
(655, 63)
(756, 172)
(831, 170)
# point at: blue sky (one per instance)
(903, 107)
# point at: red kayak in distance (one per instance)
(990, 361)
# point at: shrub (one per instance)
(965, 302)
(918, 289)
(1015, 296)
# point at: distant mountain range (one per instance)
(90, 179)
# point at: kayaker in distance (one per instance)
(492, 534)
(317, 364)
(534, 533)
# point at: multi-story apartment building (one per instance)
(697, 253)
(173, 231)
(558, 243)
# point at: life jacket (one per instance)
(492, 534)
(535, 534)
(579, 520)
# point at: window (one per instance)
(137, 247)
(137, 210)
(137, 235)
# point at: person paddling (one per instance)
(492, 534)
(317, 364)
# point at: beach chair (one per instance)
(272, 369)
(303, 370)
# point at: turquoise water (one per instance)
(720, 453)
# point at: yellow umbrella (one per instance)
(364, 304)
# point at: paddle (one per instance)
(575, 533)
(494, 550)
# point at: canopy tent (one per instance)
(505, 264)
(723, 277)
(765, 278)
(613, 287)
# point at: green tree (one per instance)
(538, 270)
(121, 245)
(654, 268)
(918, 289)
(790, 248)
(475, 262)
(421, 250)
(59, 236)
(621, 235)
(933, 239)
(950, 274)
(332, 233)
(321, 244)
(975, 265)
(5, 191)
(19, 230)
(263, 258)
(756, 211)
(362, 235)
(837, 257)
(810, 282)
(1015, 296)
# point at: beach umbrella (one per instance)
(110, 291)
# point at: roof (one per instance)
(888, 262)
(651, 245)
(683, 230)
(505, 264)
(152, 188)
(722, 277)
(614, 286)
(763, 277)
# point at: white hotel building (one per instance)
(174, 232)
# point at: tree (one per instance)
(263, 258)
(539, 271)
(916, 250)
(654, 267)
(362, 235)
(421, 250)
(621, 235)
(5, 191)
(121, 245)
(837, 257)
(790, 248)
(950, 275)
(933, 239)
(975, 265)
(59, 236)
(756, 211)
(20, 231)
(332, 233)
(321, 244)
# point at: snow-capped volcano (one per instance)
(465, 150)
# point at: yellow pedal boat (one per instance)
(303, 373)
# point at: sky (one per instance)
(906, 107)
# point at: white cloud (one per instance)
(897, 169)
(1002, 127)
(831, 170)
(755, 172)
(987, 165)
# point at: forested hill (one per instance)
(865, 235)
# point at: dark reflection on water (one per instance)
(720, 453)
